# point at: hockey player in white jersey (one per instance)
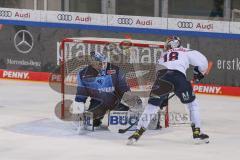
(176, 59)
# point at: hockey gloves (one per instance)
(197, 75)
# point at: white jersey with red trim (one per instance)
(180, 59)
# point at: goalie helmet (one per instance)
(172, 42)
(96, 56)
(98, 61)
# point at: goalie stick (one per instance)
(126, 129)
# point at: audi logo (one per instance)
(5, 13)
(127, 21)
(64, 17)
(183, 24)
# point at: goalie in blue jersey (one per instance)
(104, 83)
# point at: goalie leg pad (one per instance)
(121, 107)
(131, 100)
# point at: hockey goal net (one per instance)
(136, 58)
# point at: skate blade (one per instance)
(201, 141)
(131, 141)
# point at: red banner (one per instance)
(216, 90)
(44, 77)
(24, 75)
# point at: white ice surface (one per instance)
(29, 131)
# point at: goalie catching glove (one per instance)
(197, 75)
(77, 107)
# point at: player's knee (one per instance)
(186, 98)
(161, 101)
(154, 101)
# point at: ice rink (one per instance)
(29, 131)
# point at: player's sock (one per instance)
(136, 135)
(199, 137)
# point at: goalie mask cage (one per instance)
(136, 58)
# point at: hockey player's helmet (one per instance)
(172, 42)
(99, 60)
(96, 56)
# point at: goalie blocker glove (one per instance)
(197, 75)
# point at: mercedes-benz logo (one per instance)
(23, 41)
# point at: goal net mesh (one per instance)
(136, 58)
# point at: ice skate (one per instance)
(199, 137)
(136, 135)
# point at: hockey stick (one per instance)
(126, 129)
